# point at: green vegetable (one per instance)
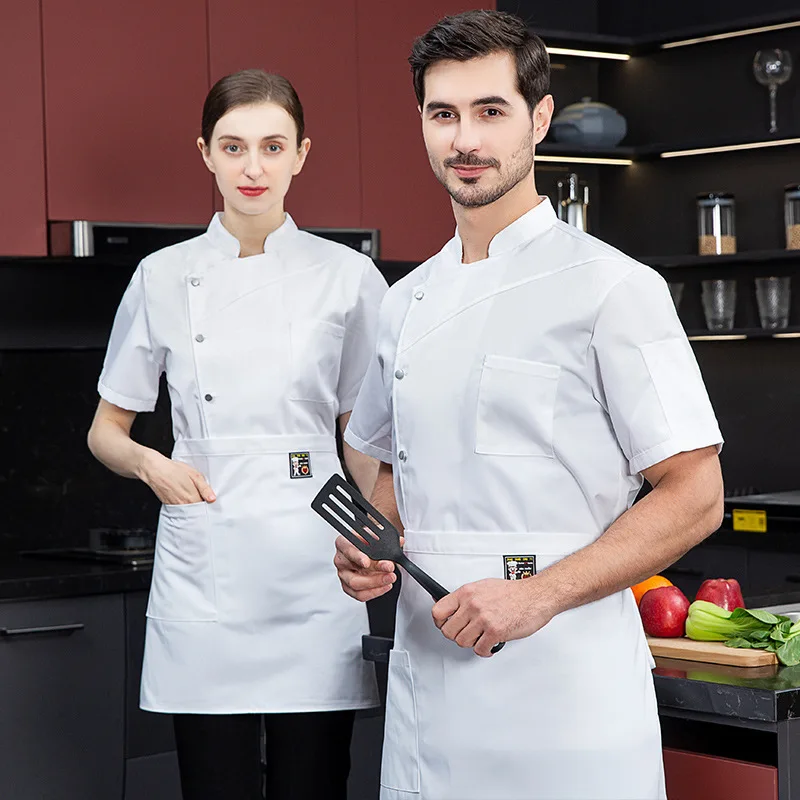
(746, 628)
(710, 623)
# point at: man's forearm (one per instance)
(383, 497)
(681, 511)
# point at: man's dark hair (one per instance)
(473, 34)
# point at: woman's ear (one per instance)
(201, 146)
(302, 154)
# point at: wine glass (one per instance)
(772, 68)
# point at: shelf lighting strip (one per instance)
(719, 337)
(568, 51)
(732, 35)
(794, 335)
(728, 148)
(619, 162)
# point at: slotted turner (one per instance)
(343, 507)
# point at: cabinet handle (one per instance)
(44, 630)
(694, 573)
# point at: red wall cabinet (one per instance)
(23, 230)
(314, 46)
(124, 87)
(400, 194)
(692, 776)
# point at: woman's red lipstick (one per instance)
(252, 191)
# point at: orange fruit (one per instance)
(645, 586)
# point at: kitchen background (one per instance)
(102, 100)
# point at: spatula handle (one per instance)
(434, 589)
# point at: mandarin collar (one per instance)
(539, 219)
(224, 241)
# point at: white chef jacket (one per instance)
(261, 356)
(518, 399)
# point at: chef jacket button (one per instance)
(209, 397)
(402, 455)
(399, 374)
(199, 338)
(195, 281)
(419, 295)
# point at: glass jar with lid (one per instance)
(791, 212)
(716, 224)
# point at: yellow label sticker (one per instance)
(750, 520)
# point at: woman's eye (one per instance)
(232, 148)
(274, 148)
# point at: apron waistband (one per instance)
(496, 542)
(245, 445)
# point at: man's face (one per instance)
(478, 130)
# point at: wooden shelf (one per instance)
(641, 45)
(754, 257)
(738, 334)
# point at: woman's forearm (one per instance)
(110, 443)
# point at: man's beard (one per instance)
(468, 194)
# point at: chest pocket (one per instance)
(516, 406)
(316, 347)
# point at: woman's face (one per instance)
(253, 154)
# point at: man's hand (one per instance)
(481, 614)
(362, 577)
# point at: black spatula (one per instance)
(343, 507)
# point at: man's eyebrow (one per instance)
(491, 100)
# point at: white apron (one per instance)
(261, 355)
(245, 613)
(518, 398)
(569, 712)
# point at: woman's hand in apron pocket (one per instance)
(483, 613)
(173, 482)
(360, 576)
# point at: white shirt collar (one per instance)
(539, 219)
(224, 241)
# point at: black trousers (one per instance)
(307, 755)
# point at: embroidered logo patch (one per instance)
(519, 567)
(299, 465)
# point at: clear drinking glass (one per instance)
(676, 291)
(773, 295)
(719, 303)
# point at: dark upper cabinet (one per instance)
(22, 221)
(124, 89)
(315, 48)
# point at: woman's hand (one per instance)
(174, 482)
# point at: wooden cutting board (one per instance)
(709, 652)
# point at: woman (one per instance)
(264, 333)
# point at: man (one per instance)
(527, 378)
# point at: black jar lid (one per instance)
(715, 196)
(792, 187)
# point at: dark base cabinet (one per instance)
(153, 778)
(62, 699)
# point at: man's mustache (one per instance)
(470, 161)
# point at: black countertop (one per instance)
(26, 578)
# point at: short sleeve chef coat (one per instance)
(262, 355)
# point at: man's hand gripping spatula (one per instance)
(344, 508)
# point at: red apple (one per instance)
(664, 611)
(723, 592)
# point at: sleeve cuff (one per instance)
(121, 400)
(364, 447)
(671, 448)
